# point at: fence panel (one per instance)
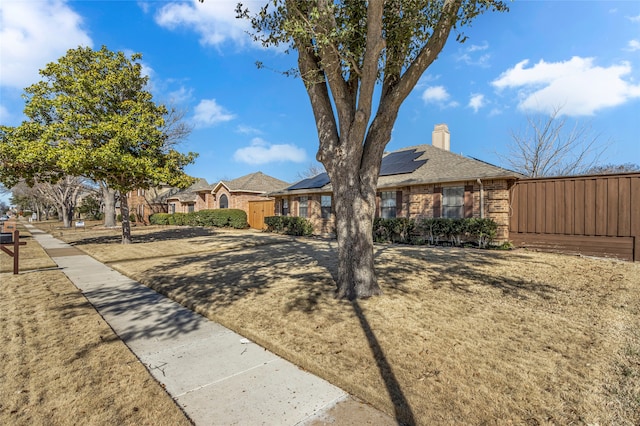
(595, 215)
(258, 210)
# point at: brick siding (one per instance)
(417, 202)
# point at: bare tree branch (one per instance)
(550, 146)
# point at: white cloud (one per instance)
(248, 130)
(468, 55)
(262, 152)
(476, 47)
(634, 18)
(476, 101)
(633, 45)
(208, 113)
(435, 94)
(33, 35)
(438, 95)
(576, 85)
(182, 95)
(215, 21)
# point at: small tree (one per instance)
(92, 116)
(550, 146)
(351, 53)
(90, 207)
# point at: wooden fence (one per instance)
(594, 215)
(258, 210)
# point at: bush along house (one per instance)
(418, 182)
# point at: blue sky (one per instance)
(581, 55)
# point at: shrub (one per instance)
(396, 230)
(159, 219)
(220, 218)
(483, 231)
(132, 217)
(434, 231)
(289, 225)
(275, 224)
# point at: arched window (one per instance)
(224, 201)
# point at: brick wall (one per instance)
(496, 202)
(139, 204)
(240, 200)
(418, 202)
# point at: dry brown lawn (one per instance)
(61, 364)
(460, 336)
(31, 256)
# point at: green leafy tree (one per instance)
(90, 207)
(92, 116)
(359, 61)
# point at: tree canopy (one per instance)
(349, 54)
(91, 115)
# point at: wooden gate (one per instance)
(595, 215)
(258, 210)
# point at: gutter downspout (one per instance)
(481, 198)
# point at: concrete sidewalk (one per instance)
(216, 376)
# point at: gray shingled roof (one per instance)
(255, 182)
(189, 195)
(441, 166)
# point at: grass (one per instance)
(459, 336)
(31, 255)
(60, 361)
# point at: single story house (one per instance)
(193, 199)
(423, 181)
(236, 193)
(226, 194)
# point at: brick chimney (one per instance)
(440, 137)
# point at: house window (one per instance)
(285, 207)
(453, 202)
(172, 208)
(224, 201)
(303, 206)
(325, 206)
(388, 204)
(191, 208)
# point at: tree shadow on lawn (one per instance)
(459, 270)
(221, 279)
(148, 236)
(137, 313)
(194, 235)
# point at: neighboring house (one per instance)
(195, 198)
(226, 194)
(423, 181)
(236, 193)
(145, 202)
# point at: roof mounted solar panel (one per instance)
(401, 162)
(311, 183)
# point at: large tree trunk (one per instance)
(354, 228)
(109, 200)
(355, 204)
(66, 215)
(126, 224)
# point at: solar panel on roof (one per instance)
(401, 162)
(314, 182)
